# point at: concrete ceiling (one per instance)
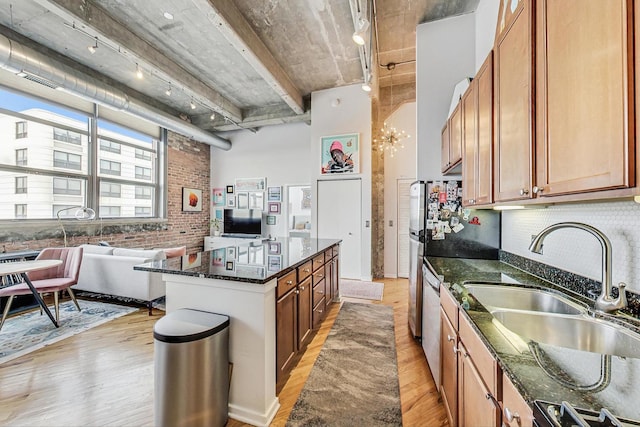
(253, 63)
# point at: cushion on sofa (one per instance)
(95, 249)
(173, 252)
(140, 253)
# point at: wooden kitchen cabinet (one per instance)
(584, 96)
(477, 163)
(449, 367)
(452, 142)
(515, 411)
(514, 112)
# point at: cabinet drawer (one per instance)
(449, 305)
(318, 292)
(286, 283)
(318, 261)
(304, 271)
(318, 314)
(482, 358)
(515, 405)
(318, 275)
(336, 250)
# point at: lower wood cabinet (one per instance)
(477, 405)
(515, 411)
(449, 367)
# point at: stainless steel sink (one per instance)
(578, 332)
(517, 298)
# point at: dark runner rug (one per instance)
(354, 381)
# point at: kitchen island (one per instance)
(240, 281)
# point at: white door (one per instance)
(340, 217)
(402, 227)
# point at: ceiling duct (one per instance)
(24, 61)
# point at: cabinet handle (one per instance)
(297, 291)
(450, 338)
(455, 350)
(289, 282)
(320, 311)
(320, 276)
(321, 292)
(302, 288)
(523, 192)
(510, 416)
(490, 397)
(537, 189)
(472, 201)
(306, 270)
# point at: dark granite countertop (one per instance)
(249, 263)
(560, 365)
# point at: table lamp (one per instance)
(82, 214)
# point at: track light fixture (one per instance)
(92, 48)
(366, 86)
(139, 72)
(361, 30)
(193, 105)
(213, 116)
(168, 91)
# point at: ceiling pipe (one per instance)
(18, 58)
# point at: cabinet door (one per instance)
(335, 276)
(449, 367)
(328, 281)
(584, 90)
(484, 170)
(444, 146)
(514, 123)
(304, 312)
(286, 332)
(477, 407)
(470, 144)
(516, 412)
(455, 138)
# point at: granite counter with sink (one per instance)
(543, 371)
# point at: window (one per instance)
(143, 173)
(21, 130)
(109, 167)
(108, 189)
(21, 157)
(21, 184)
(143, 154)
(67, 186)
(143, 192)
(67, 136)
(143, 211)
(110, 146)
(21, 211)
(109, 211)
(65, 211)
(67, 160)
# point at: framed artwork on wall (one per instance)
(340, 154)
(251, 184)
(274, 207)
(274, 194)
(217, 197)
(191, 200)
(271, 220)
(229, 189)
(242, 201)
(191, 260)
(256, 200)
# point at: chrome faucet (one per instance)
(605, 302)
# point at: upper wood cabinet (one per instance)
(514, 96)
(477, 163)
(584, 96)
(452, 142)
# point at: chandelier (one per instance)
(390, 138)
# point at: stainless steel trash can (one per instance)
(191, 351)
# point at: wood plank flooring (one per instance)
(104, 376)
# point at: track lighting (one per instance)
(168, 91)
(93, 48)
(360, 33)
(193, 105)
(139, 72)
(213, 116)
(366, 86)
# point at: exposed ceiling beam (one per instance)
(254, 118)
(230, 22)
(108, 28)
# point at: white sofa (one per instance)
(109, 270)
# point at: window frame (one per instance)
(24, 187)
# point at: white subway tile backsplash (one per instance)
(575, 250)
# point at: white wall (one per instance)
(351, 115)
(280, 153)
(445, 54)
(486, 21)
(402, 166)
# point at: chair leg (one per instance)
(6, 310)
(56, 303)
(40, 293)
(149, 304)
(73, 297)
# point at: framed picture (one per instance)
(271, 220)
(191, 260)
(231, 202)
(256, 200)
(242, 201)
(230, 265)
(275, 248)
(274, 194)
(231, 252)
(274, 262)
(340, 154)
(217, 197)
(274, 207)
(251, 184)
(229, 189)
(191, 200)
(218, 257)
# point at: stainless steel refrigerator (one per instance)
(417, 193)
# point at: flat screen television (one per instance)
(242, 223)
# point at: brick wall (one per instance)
(187, 166)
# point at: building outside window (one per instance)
(143, 173)
(21, 157)
(110, 146)
(21, 130)
(21, 185)
(20, 211)
(109, 211)
(67, 160)
(109, 167)
(143, 211)
(65, 135)
(67, 186)
(108, 189)
(143, 154)
(143, 192)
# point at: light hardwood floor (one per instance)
(104, 376)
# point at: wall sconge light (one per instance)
(139, 72)
(82, 214)
(92, 48)
(360, 33)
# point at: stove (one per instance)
(564, 415)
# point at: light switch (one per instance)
(390, 223)
(366, 223)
